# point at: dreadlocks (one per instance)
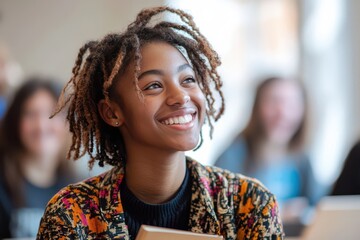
(94, 78)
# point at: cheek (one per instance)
(199, 99)
(58, 132)
(58, 123)
(26, 129)
(297, 114)
(28, 135)
(138, 117)
(266, 114)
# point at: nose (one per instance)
(177, 96)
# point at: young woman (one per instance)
(271, 147)
(139, 101)
(32, 163)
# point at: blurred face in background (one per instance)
(281, 110)
(40, 136)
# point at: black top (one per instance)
(348, 182)
(173, 214)
(23, 221)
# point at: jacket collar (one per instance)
(110, 202)
(203, 218)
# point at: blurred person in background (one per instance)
(271, 148)
(32, 159)
(348, 182)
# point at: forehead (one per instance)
(155, 57)
(41, 95)
(160, 55)
(283, 87)
(41, 99)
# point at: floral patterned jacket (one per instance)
(222, 203)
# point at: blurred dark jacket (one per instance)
(348, 182)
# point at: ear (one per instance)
(111, 113)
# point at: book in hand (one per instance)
(158, 233)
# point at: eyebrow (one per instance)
(161, 73)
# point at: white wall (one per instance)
(330, 38)
(45, 36)
(253, 41)
(353, 22)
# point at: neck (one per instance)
(39, 170)
(152, 177)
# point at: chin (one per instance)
(189, 146)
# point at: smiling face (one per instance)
(169, 117)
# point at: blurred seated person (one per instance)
(348, 182)
(32, 160)
(271, 147)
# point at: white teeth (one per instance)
(178, 120)
(182, 120)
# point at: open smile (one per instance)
(180, 121)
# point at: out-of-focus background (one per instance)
(315, 41)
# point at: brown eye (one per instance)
(189, 80)
(153, 86)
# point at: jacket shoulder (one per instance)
(255, 207)
(79, 196)
(241, 187)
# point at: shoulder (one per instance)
(233, 157)
(238, 145)
(84, 208)
(354, 153)
(351, 164)
(242, 186)
(73, 197)
(254, 207)
(88, 186)
(243, 203)
(235, 183)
